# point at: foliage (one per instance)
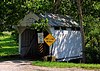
(91, 21)
(41, 25)
(64, 65)
(10, 13)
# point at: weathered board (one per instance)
(68, 44)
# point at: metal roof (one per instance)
(59, 20)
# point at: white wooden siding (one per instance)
(68, 44)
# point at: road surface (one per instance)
(24, 65)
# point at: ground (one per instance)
(7, 45)
(24, 65)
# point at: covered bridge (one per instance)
(64, 29)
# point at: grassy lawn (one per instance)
(7, 45)
(65, 65)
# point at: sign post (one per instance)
(49, 39)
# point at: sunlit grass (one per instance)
(7, 45)
(66, 65)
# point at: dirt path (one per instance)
(23, 65)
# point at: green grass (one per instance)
(7, 45)
(65, 65)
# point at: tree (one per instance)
(91, 16)
(56, 5)
(11, 12)
(81, 27)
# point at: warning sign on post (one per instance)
(49, 39)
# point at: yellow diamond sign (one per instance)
(49, 39)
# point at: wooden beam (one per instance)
(20, 29)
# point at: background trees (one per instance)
(91, 20)
(11, 12)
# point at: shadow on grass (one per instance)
(7, 39)
(8, 54)
(8, 51)
(10, 44)
(10, 57)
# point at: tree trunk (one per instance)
(56, 5)
(81, 27)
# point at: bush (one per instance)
(92, 55)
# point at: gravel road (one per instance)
(24, 65)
